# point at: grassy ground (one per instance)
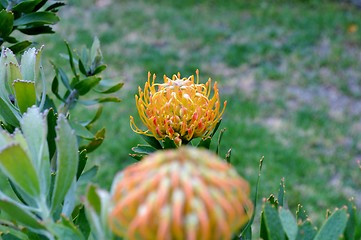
(290, 72)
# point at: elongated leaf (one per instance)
(67, 160)
(112, 89)
(289, 223)
(37, 18)
(55, 6)
(144, 149)
(87, 176)
(19, 212)
(20, 46)
(10, 116)
(272, 222)
(37, 30)
(82, 68)
(65, 229)
(205, 143)
(26, 6)
(34, 126)
(13, 74)
(85, 85)
(6, 23)
(83, 158)
(352, 221)
(96, 142)
(71, 60)
(7, 230)
(99, 69)
(306, 231)
(220, 139)
(81, 131)
(29, 64)
(25, 177)
(96, 117)
(281, 192)
(334, 225)
(152, 141)
(25, 94)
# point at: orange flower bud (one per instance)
(186, 193)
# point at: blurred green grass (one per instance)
(290, 71)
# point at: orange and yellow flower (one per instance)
(187, 193)
(179, 108)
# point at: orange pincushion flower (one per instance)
(186, 193)
(179, 108)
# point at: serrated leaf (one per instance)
(306, 231)
(19, 213)
(334, 225)
(37, 18)
(6, 23)
(144, 149)
(25, 94)
(20, 46)
(281, 192)
(301, 214)
(34, 126)
(67, 160)
(85, 85)
(349, 233)
(112, 89)
(30, 62)
(24, 177)
(289, 223)
(273, 223)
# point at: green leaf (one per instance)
(30, 62)
(96, 142)
(250, 222)
(349, 233)
(112, 89)
(281, 193)
(65, 229)
(24, 177)
(19, 212)
(82, 222)
(25, 94)
(13, 73)
(10, 116)
(6, 23)
(83, 158)
(228, 155)
(25, 6)
(306, 231)
(85, 85)
(71, 60)
(289, 223)
(7, 230)
(152, 141)
(301, 214)
(205, 143)
(99, 100)
(67, 160)
(144, 149)
(96, 117)
(168, 143)
(34, 126)
(51, 123)
(19, 47)
(87, 176)
(37, 30)
(334, 225)
(272, 222)
(220, 139)
(81, 131)
(54, 6)
(81, 67)
(99, 69)
(37, 18)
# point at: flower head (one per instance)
(179, 108)
(187, 193)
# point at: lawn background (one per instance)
(290, 71)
